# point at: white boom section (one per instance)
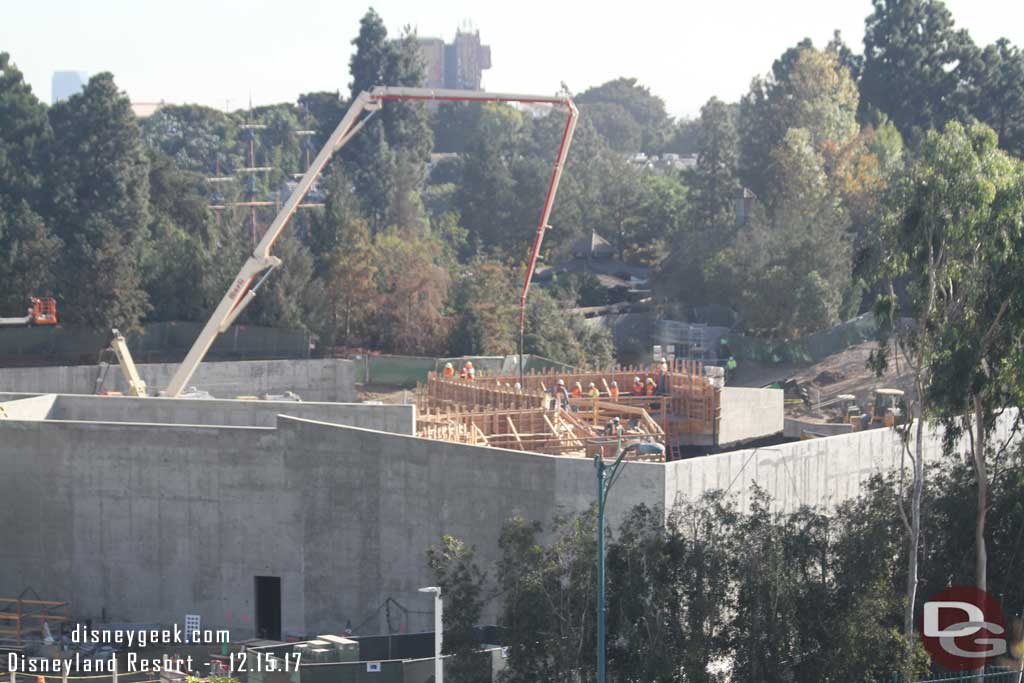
(241, 291)
(17, 322)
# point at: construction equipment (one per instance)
(886, 407)
(42, 312)
(136, 387)
(261, 263)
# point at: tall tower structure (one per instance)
(64, 84)
(458, 65)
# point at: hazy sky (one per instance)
(217, 52)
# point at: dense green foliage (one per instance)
(779, 218)
(715, 591)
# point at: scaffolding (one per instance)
(493, 411)
(22, 619)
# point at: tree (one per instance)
(787, 271)
(550, 598)
(807, 89)
(623, 99)
(997, 93)
(616, 124)
(99, 179)
(28, 257)
(555, 333)
(413, 290)
(28, 249)
(710, 221)
(199, 139)
(461, 581)
(484, 303)
(183, 246)
(344, 265)
(400, 138)
(915, 64)
(954, 236)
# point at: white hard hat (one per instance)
(614, 383)
(636, 379)
(590, 385)
(561, 382)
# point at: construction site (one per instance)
(261, 497)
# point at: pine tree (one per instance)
(387, 160)
(99, 179)
(28, 249)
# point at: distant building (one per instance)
(458, 65)
(432, 50)
(593, 254)
(67, 83)
(144, 110)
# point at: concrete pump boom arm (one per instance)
(243, 287)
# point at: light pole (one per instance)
(605, 478)
(438, 631)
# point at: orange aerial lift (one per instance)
(42, 312)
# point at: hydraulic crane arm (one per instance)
(243, 288)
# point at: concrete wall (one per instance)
(150, 522)
(399, 419)
(314, 379)
(28, 408)
(817, 472)
(795, 428)
(749, 414)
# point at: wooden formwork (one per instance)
(452, 392)
(684, 410)
(552, 431)
(22, 619)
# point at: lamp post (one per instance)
(605, 478)
(438, 631)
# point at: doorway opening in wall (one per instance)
(268, 607)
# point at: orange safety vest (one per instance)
(638, 389)
(650, 390)
(576, 392)
(614, 392)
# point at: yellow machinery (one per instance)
(887, 407)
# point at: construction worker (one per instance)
(593, 391)
(730, 368)
(663, 379)
(562, 394)
(577, 390)
(613, 427)
(449, 370)
(638, 387)
(518, 388)
(650, 387)
(468, 371)
(613, 390)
